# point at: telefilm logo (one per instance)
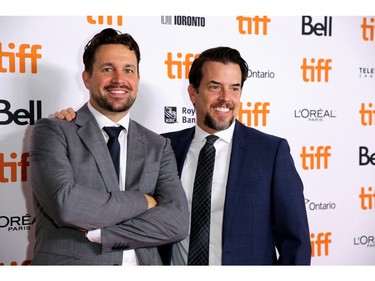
(313, 115)
(17, 57)
(318, 27)
(313, 206)
(364, 240)
(260, 74)
(187, 115)
(184, 20)
(366, 72)
(16, 223)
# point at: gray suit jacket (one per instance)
(75, 187)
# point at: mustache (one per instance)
(117, 85)
(223, 103)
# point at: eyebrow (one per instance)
(218, 83)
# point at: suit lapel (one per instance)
(240, 149)
(135, 154)
(90, 134)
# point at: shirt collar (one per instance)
(105, 121)
(224, 135)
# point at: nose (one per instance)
(224, 93)
(118, 76)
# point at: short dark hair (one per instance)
(105, 37)
(218, 54)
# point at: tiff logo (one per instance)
(256, 116)
(14, 167)
(179, 68)
(367, 115)
(314, 159)
(320, 244)
(367, 198)
(255, 25)
(108, 20)
(315, 72)
(368, 29)
(20, 54)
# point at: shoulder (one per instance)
(185, 133)
(138, 129)
(255, 135)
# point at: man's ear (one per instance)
(86, 79)
(192, 93)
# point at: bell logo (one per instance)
(177, 69)
(315, 159)
(320, 244)
(368, 29)
(256, 116)
(254, 25)
(316, 71)
(367, 198)
(25, 52)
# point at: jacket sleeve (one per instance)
(67, 184)
(291, 225)
(168, 222)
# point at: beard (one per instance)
(104, 103)
(211, 123)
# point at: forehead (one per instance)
(115, 53)
(221, 72)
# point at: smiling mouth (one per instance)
(222, 109)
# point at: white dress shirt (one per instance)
(223, 148)
(129, 256)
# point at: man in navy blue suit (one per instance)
(258, 214)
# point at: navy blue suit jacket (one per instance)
(264, 205)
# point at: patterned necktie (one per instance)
(114, 146)
(201, 206)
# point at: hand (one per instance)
(68, 114)
(151, 201)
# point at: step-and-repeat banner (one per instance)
(311, 80)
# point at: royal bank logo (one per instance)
(366, 72)
(185, 116)
(170, 114)
(184, 20)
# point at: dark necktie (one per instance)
(201, 205)
(114, 146)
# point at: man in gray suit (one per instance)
(87, 214)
